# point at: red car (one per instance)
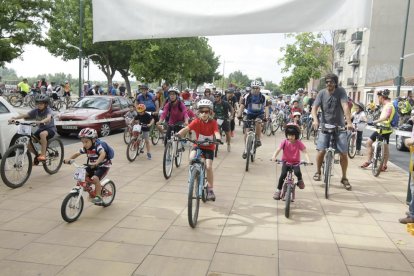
(102, 113)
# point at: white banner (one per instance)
(144, 19)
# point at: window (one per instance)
(3, 109)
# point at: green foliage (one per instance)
(306, 58)
(239, 79)
(8, 74)
(273, 87)
(20, 24)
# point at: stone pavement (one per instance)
(244, 232)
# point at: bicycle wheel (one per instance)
(108, 193)
(327, 172)
(269, 128)
(378, 161)
(15, 101)
(352, 146)
(193, 197)
(127, 135)
(71, 209)
(155, 135)
(288, 198)
(16, 166)
(141, 146)
(308, 131)
(132, 150)
(167, 161)
(216, 150)
(54, 156)
(315, 136)
(248, 151)
(253, 151)
(179, 157)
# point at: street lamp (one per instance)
(80, 64)
(224, 65)
(400, 71)
(93, 55)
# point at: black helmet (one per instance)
(361, 105)
(42, 99)
(384, 93)
(292, 129)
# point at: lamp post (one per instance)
(224, 65)
(93, 55)
(400, 71)
(80, 65)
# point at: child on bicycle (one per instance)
(146, 120)
(44, 118)
(96, 155)
(291, 148)
(205, 128)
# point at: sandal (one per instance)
(317, 176)
(346, 184)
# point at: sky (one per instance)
(254, 55)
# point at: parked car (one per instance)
(102, 113)
(7, 132)
(401, 133)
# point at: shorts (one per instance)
(50, 133)
(225, 126)
(206, 153)
(23, 93)
(386, 137)
(66, 94)
(100, 172)
(145, 134)
(251, 117)
(341, 141)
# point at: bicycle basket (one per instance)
(24, 130)
(137, 128)
(80, 174)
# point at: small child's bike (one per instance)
(72, 205)
(137, 143)
(289, 185)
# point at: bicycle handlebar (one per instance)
(200, 143)
(278, 161)
(33, 124)
(72, 162)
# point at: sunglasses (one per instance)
(204, 111)
(328, 82)
(218, 97)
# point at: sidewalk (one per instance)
(244, 232)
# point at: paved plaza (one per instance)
(244, 232)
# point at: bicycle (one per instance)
(72, 205)
(172, 151)
(289, 185)
(197, 180)
(352, 142)
(18, 100)
(17, 159)
(137, 143)
(128, 130)
(220, 124)
(329, 158)
(378, 151)
(251, 139)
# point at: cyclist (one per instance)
(23, 87)
(146, 98)
(147, 121)
(174, 112)
(44, 118)
(334, 104)
(299, 98)
(231, 98)
(359, 119)
(387, 114)
(222, 109)
(207, 94)
(291, 147)
(205, 128)
(96, 156)
(255, 102)
(295, 107)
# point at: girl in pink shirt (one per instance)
(291, 148)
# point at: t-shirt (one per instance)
(147, 100)
(332, 112)
(144, 119)
(25, 87)
(388, 112)
(221, 110)
(255, 104)
(176, 113)
(204, 130)
(93, 154)
(291, 151)
(37, 115)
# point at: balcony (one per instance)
(356, 38)
(354, 61)
(338, 66)
(340, 47)
(350, 82)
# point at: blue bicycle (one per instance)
(197, 182)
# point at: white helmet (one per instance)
(296, 114)
(205, 103)
(255, 83)
(88, 133)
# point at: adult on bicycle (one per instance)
(174, 112)
(205, 128)
(255, 103)
(333, 102)
(149, 100)
(385, 119)
(44, 118)
(232, 100)
(23, 87)
(222, 110)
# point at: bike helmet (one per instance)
(255, 83)
(88, 133)
(141, 107)
(217, 94)
(361, 105)
(296, 114)
(300, 90)
(384, 93)
(175, 90)
(205, 103)
(292, 129)
(42, 99)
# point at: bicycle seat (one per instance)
(329, 126)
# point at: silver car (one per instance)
(7, 132)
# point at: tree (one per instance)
(306, 58)
(20, 24)
(239, 79)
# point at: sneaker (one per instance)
(97, 200)
(148, 156)
(41, 157)
(244, 155)
(232, 134)
(228, 147)
(406, 220)
(301, 184)
(384, 168)
(276, 195)
(211, 196)
(258, 143)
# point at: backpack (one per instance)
(108, 149)
(396, 117)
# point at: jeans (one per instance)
(359, 140)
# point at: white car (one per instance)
(7, 132)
